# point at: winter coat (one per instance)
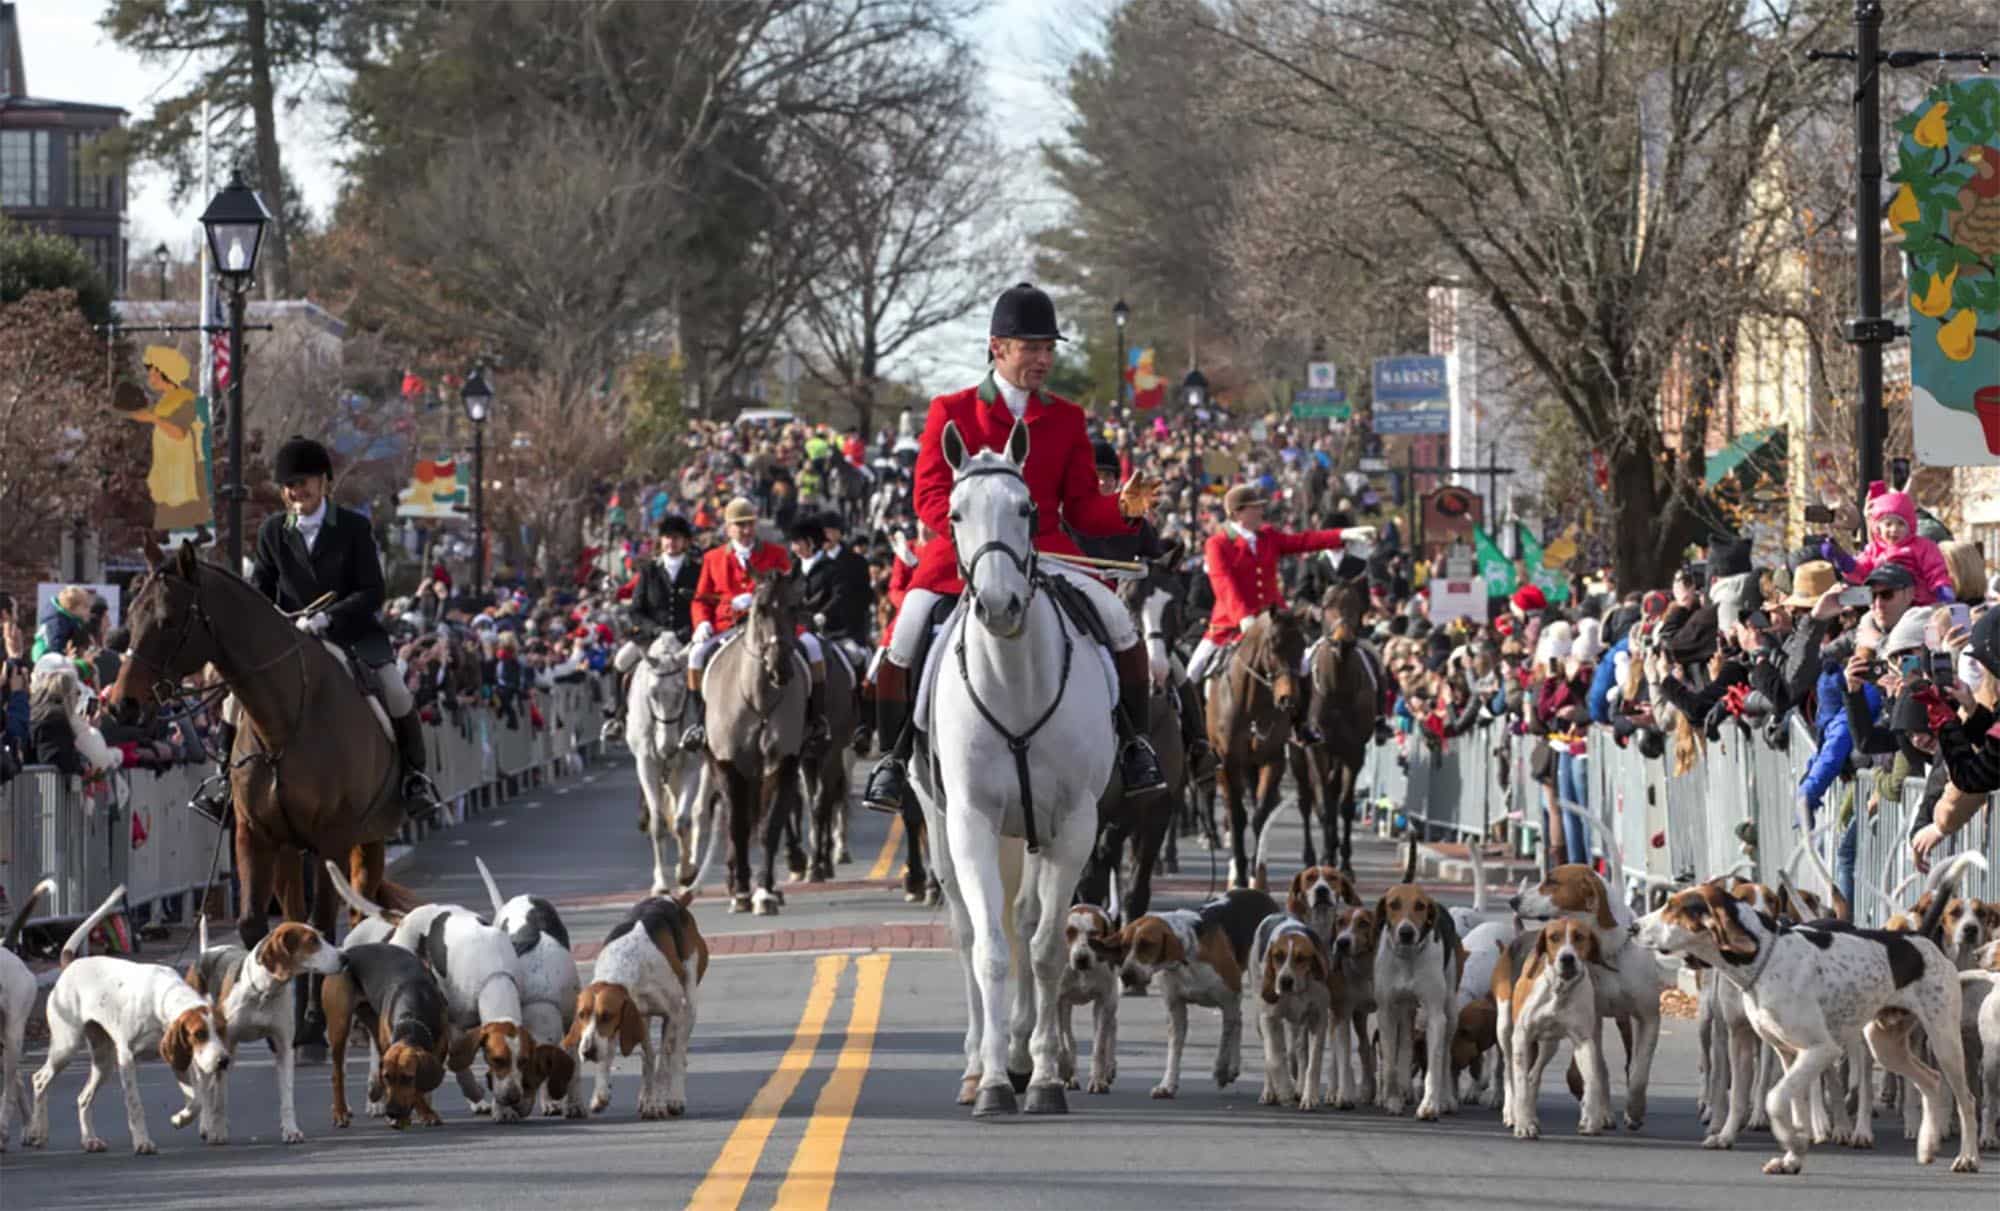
(1836, 741)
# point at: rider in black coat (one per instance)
(836, 585)
(665, 593)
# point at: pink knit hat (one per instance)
(1882, 503)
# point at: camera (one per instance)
(1819, 515)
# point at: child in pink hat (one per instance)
(1893, 538)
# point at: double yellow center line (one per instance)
(808, 1184)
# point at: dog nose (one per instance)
(1322, 897)
(590, 1052)
(1406, 933)
(1514, 902)
(1342, 945)
(1082, 962)
(222, 1065)
(1567, 965)
(1284, 983)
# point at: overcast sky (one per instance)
(1023, 42)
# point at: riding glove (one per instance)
(740, 602)
(315, 623)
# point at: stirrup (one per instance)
(887, 786)
(212, 798)
(420, 794)
(1138, 759)
(694, 737)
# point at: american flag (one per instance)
(218, 341)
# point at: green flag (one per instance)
(1553, 582)
(1494, 568)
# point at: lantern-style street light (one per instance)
(234, 224)
(1194, 389)
(1120, 313)
(478, 400)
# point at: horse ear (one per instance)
(1017, 444)
(184, 560)
(954, 446)
(154, 556)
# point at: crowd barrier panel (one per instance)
(52, 825)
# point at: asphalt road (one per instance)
(824, 1070)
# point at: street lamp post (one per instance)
(1194, 389)
(1120, 313)
(478, 400)
(234, 223)
(160, 255)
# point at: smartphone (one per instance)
(1855, 597)
(1909, 664)
(1960, 614)
(1819, 515)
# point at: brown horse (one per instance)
(313, 771)
(826, 774)
(755, 689)
(1250, 722)
(1343, 708)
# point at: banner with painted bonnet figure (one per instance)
(1946, 212)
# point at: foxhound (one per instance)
(1553, 1001)
(393, 996)
(1809, 990)
(1294, 983)
(1353, 954)
(1196, 957)
(1629, 987)
(1476, 1008)
(1318, 896)
(650, 966)
(253, 991)
(117, 1010)
(17, 1002)
(476, 967)
(1979, 1024)
(1417, 963)
(1090, 977)
(549, 986)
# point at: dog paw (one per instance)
(342, 1118)
(506, 1114)
(1164, 1091)
(1987, 1143)
(674, 1109)
(181, 1118)
(1097, 1084)
(599, 1101)
(1717, 1142)
(93, 1144)
(1783, 1166)
(1966, 1163)
(292, 1135)
(143, 1147)
(213, 1138)
(1395, 1106)
(1070, 1082)
(482, 1107)
(1527, 1131)
(1309, 1103)
(1427, 1111)
(574, 1110)
(1269, 1097)
(1343, 1102)
(377, 1109)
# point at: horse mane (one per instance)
(1277, 636)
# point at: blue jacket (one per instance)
(1602, 681)
(1836, 743)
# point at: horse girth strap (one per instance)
(1018, 744)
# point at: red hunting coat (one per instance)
(1060, 472)
(1245, 581)
(723, 579)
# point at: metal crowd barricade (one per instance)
(50, 826)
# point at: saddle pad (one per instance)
(374, 703)
(941, 646)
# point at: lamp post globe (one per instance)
(1194, 389)
(160, 256)
(234, 226)
(477, 398)
(1120, 313)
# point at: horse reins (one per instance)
(1026, 565)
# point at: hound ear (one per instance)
(1295, 900)
(631, 1028)
(558, 1070)
(429, 1072)
(177, 1045)
(954, 445)
(1605, 919)
(1017, 444)
(1267, 984)
(1730, 937)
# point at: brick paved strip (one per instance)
(808, 941)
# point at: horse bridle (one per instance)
(1027, 565)
(165, 687)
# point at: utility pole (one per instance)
(1868, 331)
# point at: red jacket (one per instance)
(1060, 472)
(1245, 581)
(723, 579)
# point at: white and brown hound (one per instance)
(476, 967)
(17, 1002)
(117, 1010)
(1196, 957)
(651, 964)
(1318, 896)
(395, 999)
(253, 990)
(1353, 954)
(1809, 990)
(1417, 964)
(1090, 977)
(1629, 987)
(1551, 1002)
(549, 987)
(1294, 984)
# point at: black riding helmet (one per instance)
(300, 457)
(1105, 456)
(1026, 313)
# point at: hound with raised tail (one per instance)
(1476, 1008)
(1809, 990)
(117, 1010)
(1417, 963)
(650, 966)
(1553, 1001)
(549, 985)
(1294, 983)
(1196, 956)
(17, 1001)
(253, 991)
(476, 967)
(1090, 977)
(1979, 1024)
(1628, 988)
(368, 923)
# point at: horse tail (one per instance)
(79, 941)
(1478, 873)
(706, 817)
(356, 902)
(46, 887)
(201, 934)
(492, 888)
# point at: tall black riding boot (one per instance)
(695, 735)
(888, 783)
(418, 794)
(216, 801)
(1138, 764)
(1194, 734)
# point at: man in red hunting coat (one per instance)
(1063, 481)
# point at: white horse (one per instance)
(671, 783)
(1010, 661)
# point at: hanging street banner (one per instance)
(1946, 211)
(1552, 580)
(1320, 404)
(1412, 395)
(1494, 567)
(1321, 376)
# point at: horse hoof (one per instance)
(913, 897)
(1019, 1080)
(994, 1100)
(933, 897)
(844, 856)
(968, 1090)
(739, 904)
(1046, 1099)
(766, 902)
(685, 875)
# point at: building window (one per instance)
(24, 168)
(89, 188)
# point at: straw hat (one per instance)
(739, 509)
(1810, 582)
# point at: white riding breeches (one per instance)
(699, 657)
(917, 604)
(396, 697)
